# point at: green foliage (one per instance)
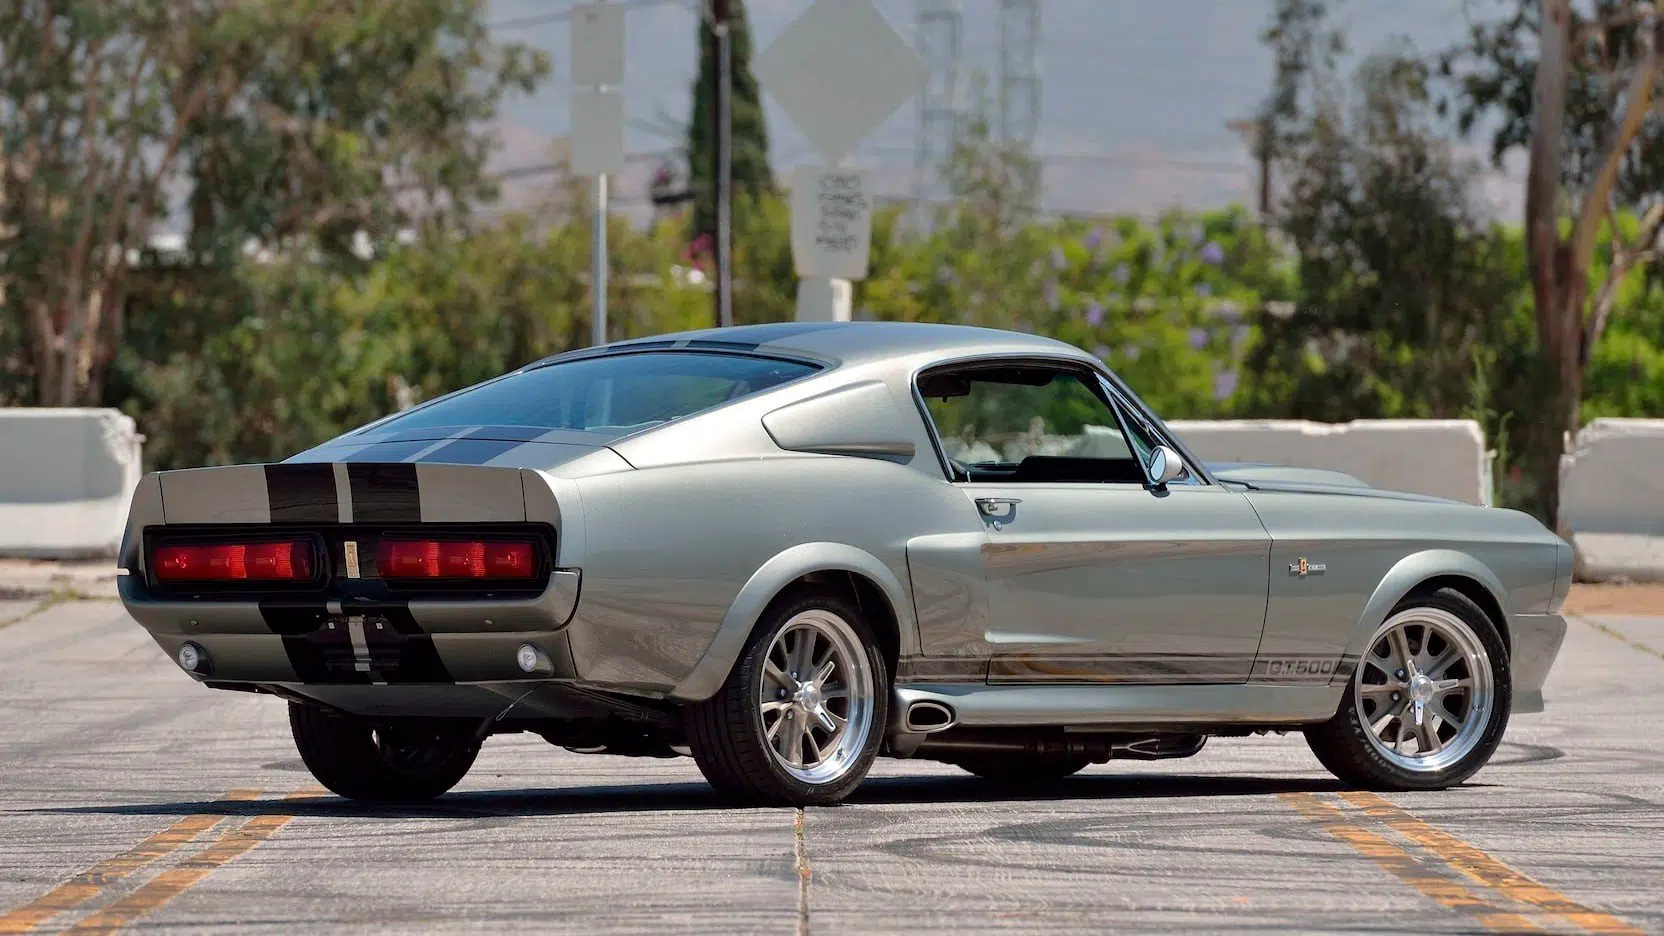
(748, 138)
(293, 124)
(1163, 303)
(1400, 281)
(303, 352)
(1495, 67)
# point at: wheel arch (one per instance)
(1423, 572)
(868, 581)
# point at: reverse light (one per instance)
(289, 560)
(192, 658)
(440, 559)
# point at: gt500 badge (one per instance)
(350, 548)
(1300, 668)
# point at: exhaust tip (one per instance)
(927, 717)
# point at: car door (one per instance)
(1093, 574)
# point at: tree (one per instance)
(751, 175)
(1401, 278)
(1578, 86)
(281, 118)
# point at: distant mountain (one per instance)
(1137, 94)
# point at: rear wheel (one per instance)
(1428, 703)
(801, 716)
(1019, 770)
(409, 763)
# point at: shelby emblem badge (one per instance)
(1304, 568)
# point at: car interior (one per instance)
(1031, 424)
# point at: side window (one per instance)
(1029, 424)
(1140, 434)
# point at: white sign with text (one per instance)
(831, 222)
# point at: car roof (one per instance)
(846, 342)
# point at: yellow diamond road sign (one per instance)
(839, 71)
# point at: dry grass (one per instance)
(1641, 598)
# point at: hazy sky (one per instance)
(1137, 93)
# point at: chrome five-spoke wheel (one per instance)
(1428, 701)
(1424, 689)
(816, 697)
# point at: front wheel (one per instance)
(407, 763)
(1428, 703)
(801, 716)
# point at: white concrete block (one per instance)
(1438, 457)
(66, 476)
(1612, 499)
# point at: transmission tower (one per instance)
(941, 40)
(1019, 101)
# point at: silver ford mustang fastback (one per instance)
(787, 549)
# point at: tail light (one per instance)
(286, 561)
(441, 559)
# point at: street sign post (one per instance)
(597, 56)
(839, 71)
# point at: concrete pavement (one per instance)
(132, 799)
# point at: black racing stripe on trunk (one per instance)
(385, 493)
(294, 618)
(302, 493)
(388, 452)
(419, 660)
(470, 452)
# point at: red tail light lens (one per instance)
(407, 559)
(287, 561)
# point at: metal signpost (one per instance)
(839, 71)
(597, 57)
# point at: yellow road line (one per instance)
(176, 880)
(1402, 865)
(1478, 865)
(91, 882)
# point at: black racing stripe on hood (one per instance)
(302, 493)
(384, 493)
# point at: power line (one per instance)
(544, 19)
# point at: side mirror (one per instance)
(1165, 466)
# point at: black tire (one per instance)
(1344, 747)
(726, 734)
(1025, 771)
(412, 763)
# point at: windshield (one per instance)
(615, 394)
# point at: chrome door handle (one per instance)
(990, 506)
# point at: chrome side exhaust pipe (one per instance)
(928, 717)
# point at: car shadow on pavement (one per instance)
(681, 797)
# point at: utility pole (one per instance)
(723, 157)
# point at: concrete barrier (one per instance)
(1612, 500)
(66, 476)
(1438, 457)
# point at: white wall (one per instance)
(1439, 457)
(1612, 499)
(66, 477)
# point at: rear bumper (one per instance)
(399, 644)
(1536, 640)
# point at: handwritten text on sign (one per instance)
(831, 222)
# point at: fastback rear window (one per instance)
(617, 393)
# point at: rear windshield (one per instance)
(615, 394)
